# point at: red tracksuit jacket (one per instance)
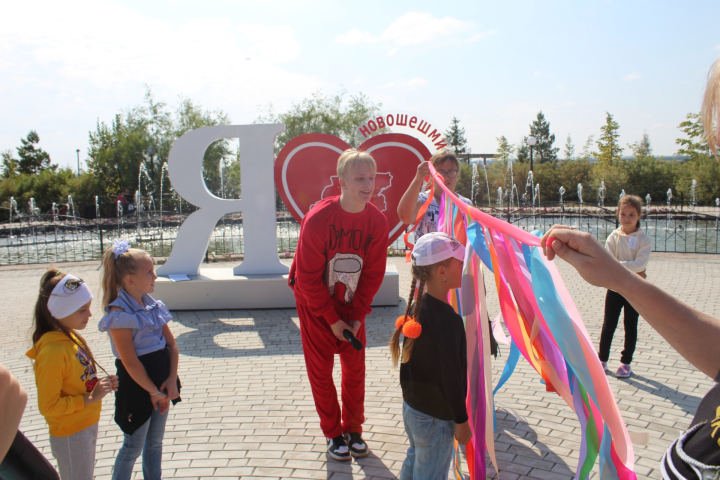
(340, 260)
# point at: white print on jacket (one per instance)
(344, 268)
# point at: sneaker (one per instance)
(338, 449)
(604, 365)
(624, 371)
(358, 447)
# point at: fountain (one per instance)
(536, 195)
(487, 184)
(562, 192)
(222, 179)
(13, 205)
(693, 200)
(55, 212)
(717, 212)
(669, 197)
(622, 194)
(648, 199)
(71, 206)
(97, 208)
(138, 203)
(33, 209)
(500, 198)
(529, 183)
(475, 183)
(579, 189)
(601, 194)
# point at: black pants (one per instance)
(614, 302)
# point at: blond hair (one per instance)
(351, 158)
(710, 112)
(116, 269)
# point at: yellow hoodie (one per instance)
(64, 375)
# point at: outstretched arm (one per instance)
(12, 404)
(692, 333)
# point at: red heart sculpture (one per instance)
(306, 172)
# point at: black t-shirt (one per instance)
(702, 445)
(434, 380)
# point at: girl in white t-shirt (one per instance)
(631, 246)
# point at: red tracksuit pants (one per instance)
(319, 347)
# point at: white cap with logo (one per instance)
(435, 247)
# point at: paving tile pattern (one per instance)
(247, 409)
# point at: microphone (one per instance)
(356, 344)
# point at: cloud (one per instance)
(416, 28)
(413, 83)
(632, 76)
(537, 73)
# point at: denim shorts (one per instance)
(431, 446)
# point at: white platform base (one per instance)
(219, 289)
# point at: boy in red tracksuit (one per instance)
(338, 268)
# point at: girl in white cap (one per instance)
(69, 391)
(433, 371)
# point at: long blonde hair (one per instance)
(116, 269)
(420, 275)
(710, 112)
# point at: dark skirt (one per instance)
(133, 406)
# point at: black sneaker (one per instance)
(358, 447)
(338, 449)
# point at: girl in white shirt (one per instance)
(631, 246)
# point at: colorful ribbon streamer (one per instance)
(545, 328)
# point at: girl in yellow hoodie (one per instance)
(69, 391)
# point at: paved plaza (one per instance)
(247, 409)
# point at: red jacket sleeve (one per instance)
(310, 264)
(373, 270)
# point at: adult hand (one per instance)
(169, 386)
(463, 434)
(594, 264)
(104, 386)
(339, 327)
(423, 171)
(355, 327)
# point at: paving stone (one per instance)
(248, 412)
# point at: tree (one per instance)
(641, 148)
(9, 165)
(569, 151)
(456, 137)
(696, 144)
(543, 151)
(118, 150)
(610, 151)
(33, 160)
(505, 150)
(586, 151)
(323, 114)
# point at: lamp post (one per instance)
(78, 160)
(531, 141)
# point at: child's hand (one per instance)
(463, 434)
(159, 400)
(642, 274)
(115, 382)
(104, 386)
(169, 386)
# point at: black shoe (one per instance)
(358, 447)
(338, 449)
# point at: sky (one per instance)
(64, 66)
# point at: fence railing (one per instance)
(51, 239)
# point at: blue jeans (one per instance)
(431, 446)
(146, 440)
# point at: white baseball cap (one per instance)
(435, 247)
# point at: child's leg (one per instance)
(613, 304)
(131, 449)
(152, 451)
(319, 346)
(75, 454)
(432, 445)
(353, 385)
(631, 319)
(408, 466)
